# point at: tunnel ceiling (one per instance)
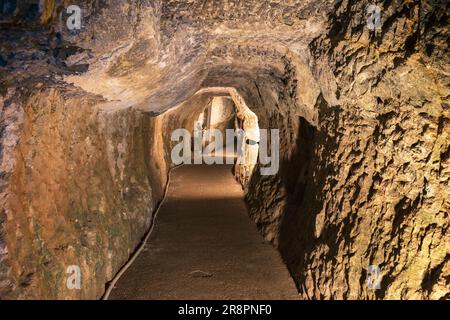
(177, 47)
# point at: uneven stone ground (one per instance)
(204, 246)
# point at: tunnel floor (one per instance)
(204, 246)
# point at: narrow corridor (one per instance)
(204, 246)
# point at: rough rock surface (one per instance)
(78, 188)
(363, 118)
(372, 177)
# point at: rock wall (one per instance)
(368, 185)
(78, 187)
(363, 118)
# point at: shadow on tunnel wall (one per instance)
(298, 234)
(303, 176)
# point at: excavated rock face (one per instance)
(372, 176)
(363, 118)
(78, 188)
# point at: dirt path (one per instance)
(204, 246)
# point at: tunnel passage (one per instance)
(204, 246)
(212, 125)
(86, 118)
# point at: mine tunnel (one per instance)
(210, 149)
